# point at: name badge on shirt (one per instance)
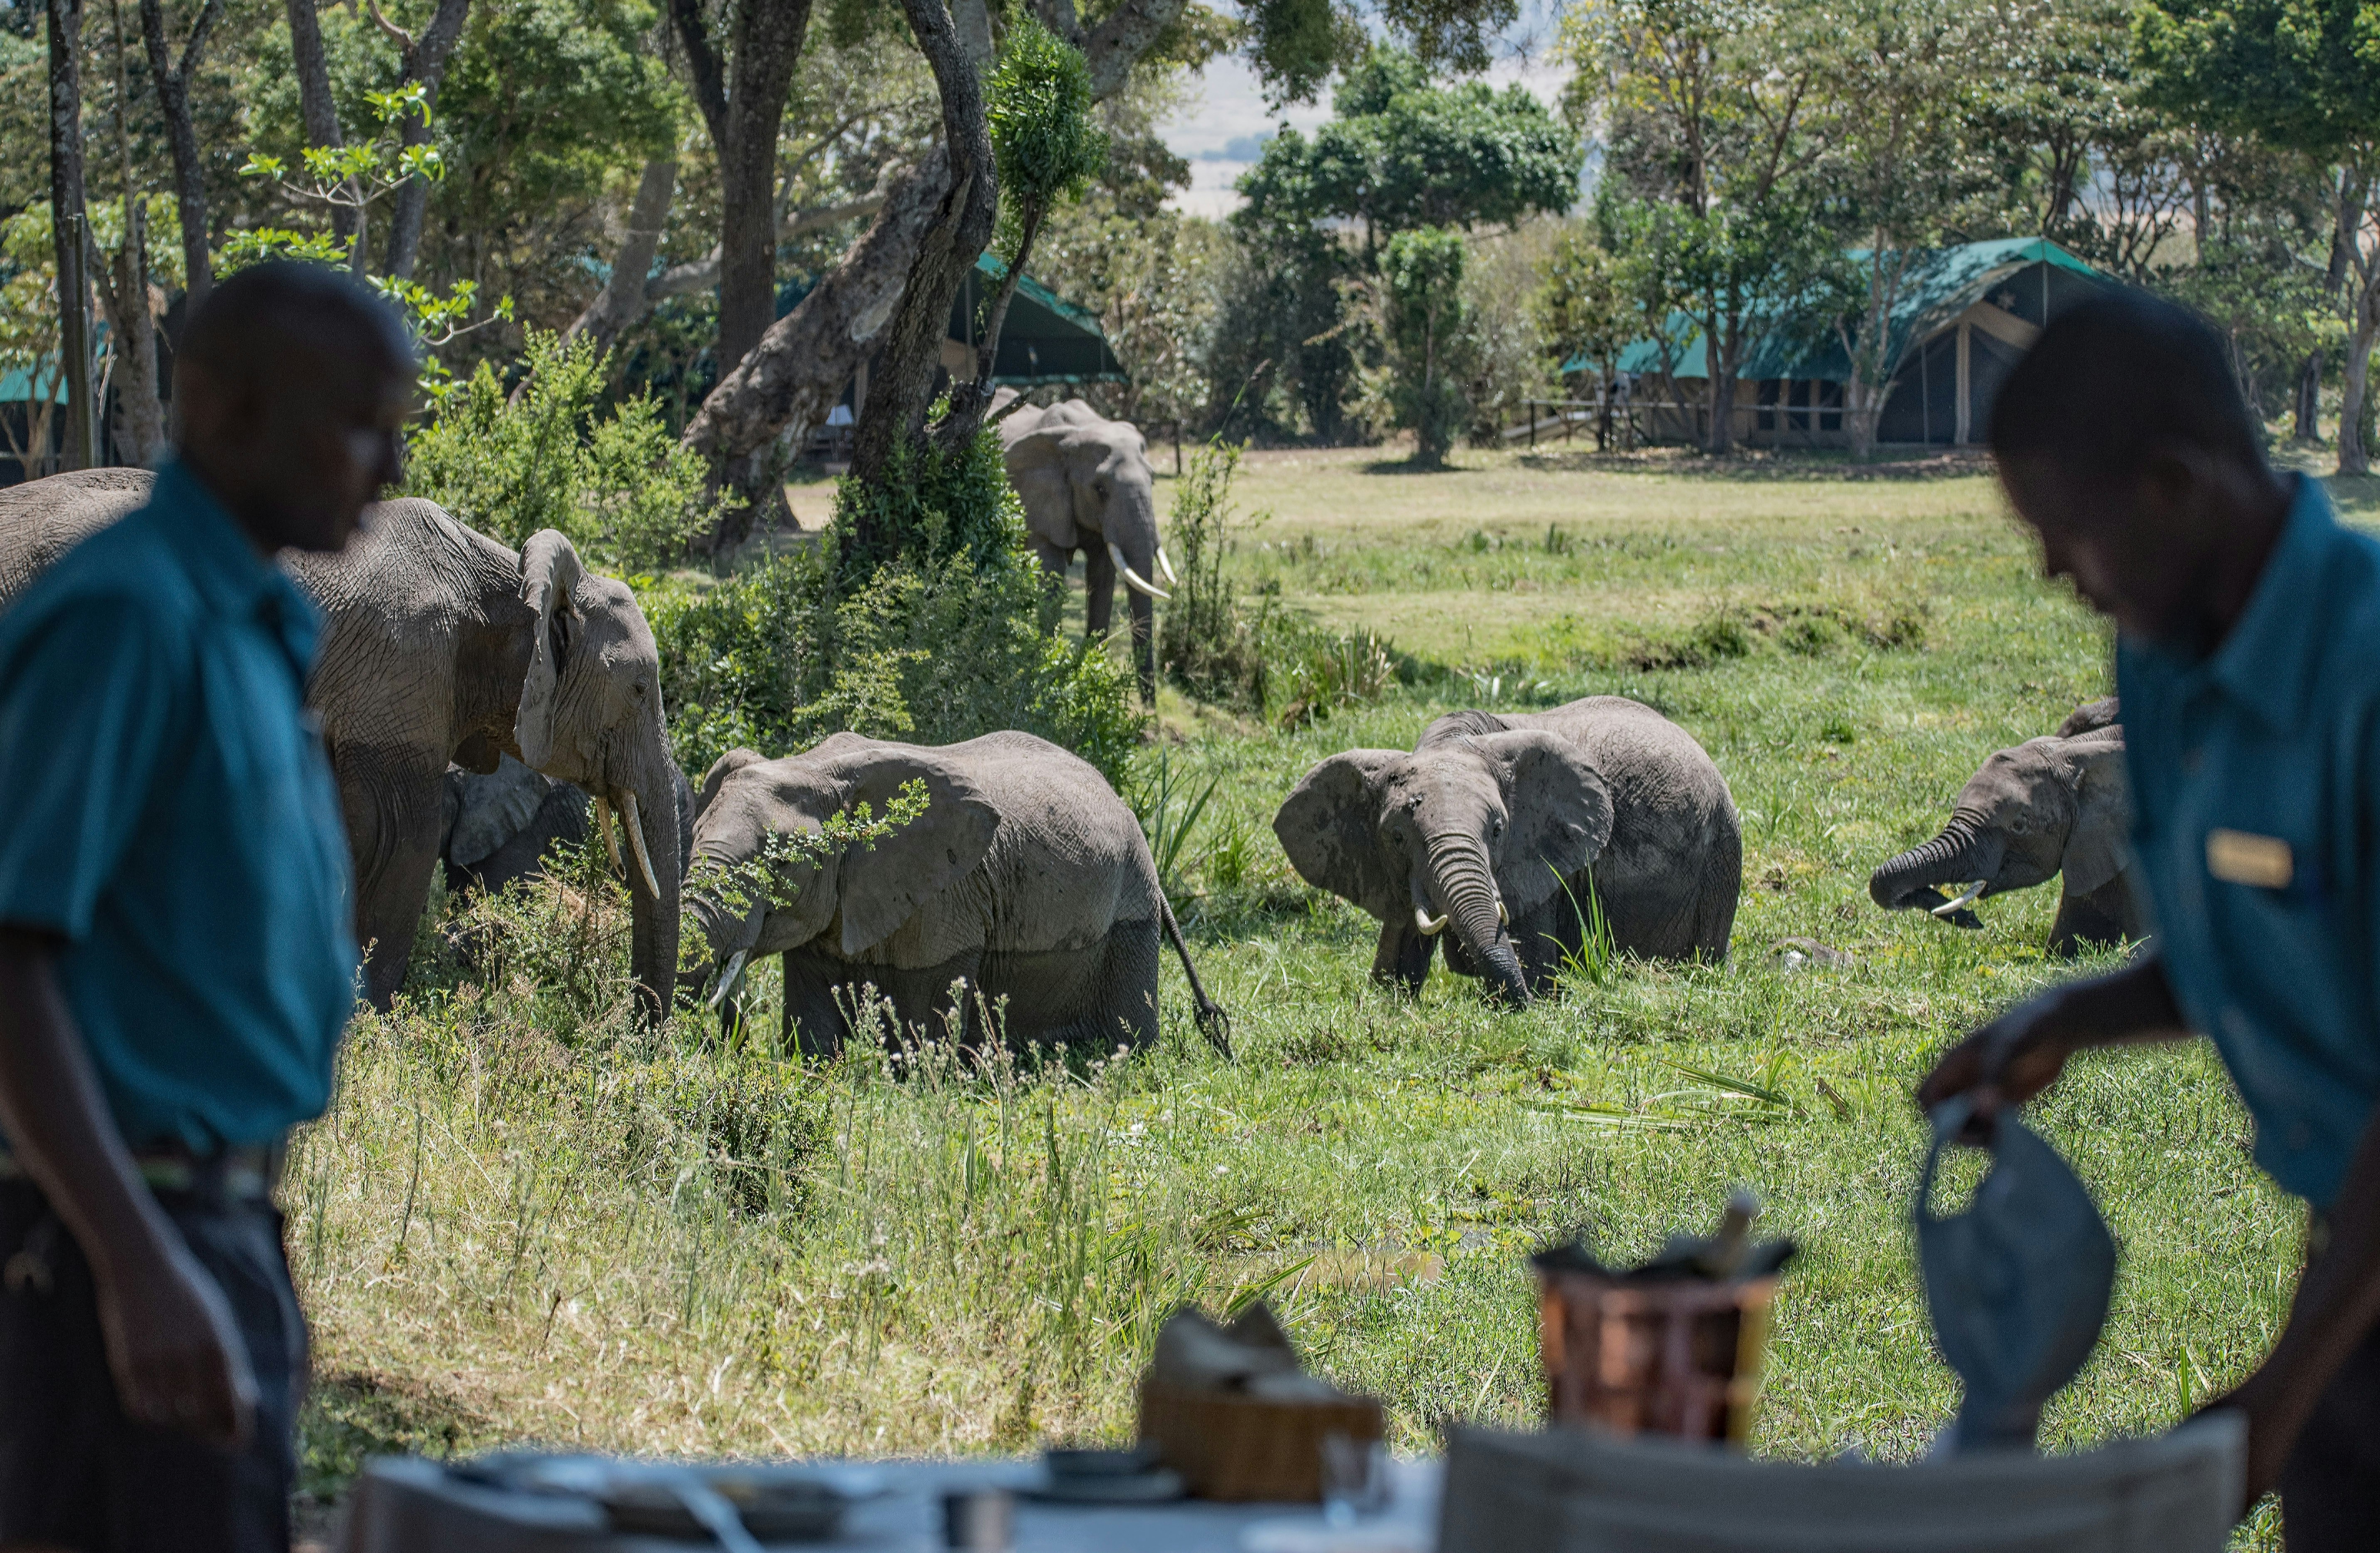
(2239, 857)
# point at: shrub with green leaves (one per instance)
(953, 635)
(1207, 646)
(624, 489)
(1423, 271)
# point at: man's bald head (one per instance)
(291, 385)
(2123, 440)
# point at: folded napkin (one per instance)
(1252, 1354)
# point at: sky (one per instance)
(1220, 130)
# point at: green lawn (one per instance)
(523, 1222)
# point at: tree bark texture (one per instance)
(139, 411)
(961, 224)
(172, 84)
(797, 372)
(321, 114)
(425, 62)
(743, 103)
(70, 220)
(623, 299)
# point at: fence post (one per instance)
(1532, 423)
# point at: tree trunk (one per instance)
(174, 100)
(2354, 459)
(140, 412)
(70, 220)
(321, 114)
(743, 103)
(425, 62)
(2309, 399)
(622, 300)
(1721, 437)
(800, 369)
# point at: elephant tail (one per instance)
(1213, 1022)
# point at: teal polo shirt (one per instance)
(2256, 778)
(170, 815)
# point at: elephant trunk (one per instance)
(655, 868)
(1960, 852)
(1464, 884)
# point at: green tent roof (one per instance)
(1941, 284)
(1045, 339)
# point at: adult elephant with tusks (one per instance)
(442, 647)
(1087, 486)
(1026, 882)
(2057, 807)
(1508, 834)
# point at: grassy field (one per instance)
(524, 1221)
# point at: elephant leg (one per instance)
(1099, 590)
(393, 824)
(1143, 644)
(1404, 956)
(812, 1023)
(1054, 559)
(2088, 921)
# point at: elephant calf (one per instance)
(1026, 879)
(1512, 828)
(498, 827)
(2058, 805)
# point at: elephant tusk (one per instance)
(1430, 928)
(729, 975)
(1504, 918)
(610, 841)
(1947, 907)
(1167, 567)
(637, 844)
(1132, 579)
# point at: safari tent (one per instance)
(1044, 340)
(1965, 316)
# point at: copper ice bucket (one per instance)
(1679, 1356)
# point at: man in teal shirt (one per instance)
(2248, 666)
(175, 964)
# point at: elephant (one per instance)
(1087, 486)
(1026, 877)
(441, 646)
(2058, 804)
(498, 825)
(1514, 829)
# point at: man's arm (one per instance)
(171, 1341)
(2021, 1052)
(2336, 1305)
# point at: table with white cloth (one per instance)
(409, 1505)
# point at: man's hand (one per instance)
(2005, 1062)
(175, 1353)
(2021, 1053)
(175, 1350)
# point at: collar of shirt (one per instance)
(224, 569)
(2266, 661)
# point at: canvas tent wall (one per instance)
(1964, 316)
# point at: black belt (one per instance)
(247, 1173)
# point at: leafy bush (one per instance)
(1206, 646)
(619, 485)
(952, 636)
(1426, 314)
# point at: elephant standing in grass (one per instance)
(2055, 805)
(1515, 830)
(1026, 879)
(1087, 486)
(499, 825)
(441, 646)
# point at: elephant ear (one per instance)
(492, 810)
(2096, 847)
(1559, 809)
(882, 886)
(720, 769)
(550, 570)
(1329, 828)
(1036, 467)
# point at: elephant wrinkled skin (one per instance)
(441, 646)
(1026, 879)
(1510, 828)
(2055, 805)
(1087, 486)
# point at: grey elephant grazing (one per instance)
(1087, 486)
(1026, 878)
(2058, 805)
(499, 825)
(443, 647)
(1504, 827)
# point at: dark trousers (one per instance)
(75, 1472)
(2330, 1485)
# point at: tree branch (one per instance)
(1117, 43)
(709, 80)
(397, 35)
